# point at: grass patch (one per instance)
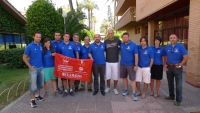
(8, 78)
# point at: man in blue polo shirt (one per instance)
(78, 45)
(55, 44)
(146, 57)
(96, 52)
(68, 49)
(84, 55)
(128, 63)
(36, 73)
(176, 57)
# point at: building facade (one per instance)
(153, 18)
(12, 27)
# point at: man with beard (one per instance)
(78, 46)
(128, 64)
(96, 52)
(55, 44)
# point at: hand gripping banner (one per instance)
(71, 68)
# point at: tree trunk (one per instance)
(91, 23)
(89, 19)
(71, 5)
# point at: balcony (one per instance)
(123, 5)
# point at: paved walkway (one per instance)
(85, 102)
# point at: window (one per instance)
(2, 46)
(135, 31)
(138, 30)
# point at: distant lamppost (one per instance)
(64, 15)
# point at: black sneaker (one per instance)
(33, 104)
(72, 93)
(59, 91)
(65, 94)
(39, 98)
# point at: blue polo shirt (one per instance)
(48, 59)
(78, 47)
(97, 52)
(158, 54)
(128, 52)
(175, 54)
(34, 52)
(55, 45)
(67, 49)
(145, 56)
(84, 52)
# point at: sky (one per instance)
(100, 14)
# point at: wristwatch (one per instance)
(135, 65)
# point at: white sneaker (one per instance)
(107, 90)
(116, 92)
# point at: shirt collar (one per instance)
(35, 43)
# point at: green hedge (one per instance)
(13, 57)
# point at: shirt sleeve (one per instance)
(27, 51)
(90, 50)
(183, 50)
(135, 49)
(163, 52)
(151, 53)
(75, 48)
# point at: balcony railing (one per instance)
(127, 18)
(123, 5)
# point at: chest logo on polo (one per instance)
(176, 50)
(128, 48)
(78, 48)
(70, 47)
(158, 51)
(35, 49)
(145, 52)
(40, 48)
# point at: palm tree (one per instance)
(71, 5)
(89, 5)
(104, 26)
(94, 21)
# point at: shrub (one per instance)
(13, 57)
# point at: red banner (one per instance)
(71, 68)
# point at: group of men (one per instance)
(136, 62)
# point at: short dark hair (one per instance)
(67, 33)
(145, 38)
(125, 33)
(75, 34)
(158, 38)
(37, 32)
(56, 32)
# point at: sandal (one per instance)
(151, 94)
(45, 95)
(54, 95)
(139, 94)
(155, 95)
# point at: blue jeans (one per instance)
(176, 73)
(36, 79)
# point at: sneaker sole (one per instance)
(40, 100)
(32, 105)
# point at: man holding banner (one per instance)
(68, 49)
(78, 45)
(96, 52)
(84, 55)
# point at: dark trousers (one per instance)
(99, 69)
(76, 83)
(176, 73)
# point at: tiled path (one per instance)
(85, 102)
